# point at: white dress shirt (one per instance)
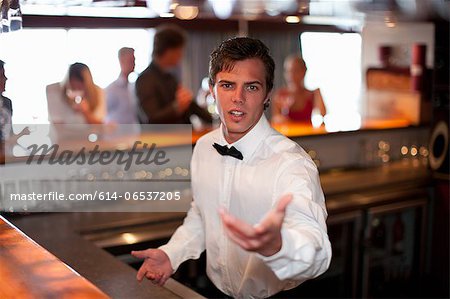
(121, 102)
(273, 165)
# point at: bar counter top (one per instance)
(30, 271)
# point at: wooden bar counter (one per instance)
(29, 271)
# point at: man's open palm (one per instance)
(264, 237)
(156, 266)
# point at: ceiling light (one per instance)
(186, 12)
(222, 8)
(292, 19)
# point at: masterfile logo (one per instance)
(126, 168)
(146, 155)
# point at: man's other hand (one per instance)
(184, 98)
(156, 266)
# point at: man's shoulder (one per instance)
(6, 100)
(146, 77)
(148, 71)
(284, 147)
(7, 103)
(112, 86)
(53, 86)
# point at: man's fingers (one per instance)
(141, 273)
(274, 218)
(154, 277)
(158, 278)
(283, 203)
(237, 239)
(142, 254)
(237, 225)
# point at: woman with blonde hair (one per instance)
(76, 100)
(294, 102)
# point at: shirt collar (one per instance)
(122, 81)
(250, 141)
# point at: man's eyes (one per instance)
(226, 85)
(250, 87)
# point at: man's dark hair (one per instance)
(167, 37)
(2, 64)
(235, 49)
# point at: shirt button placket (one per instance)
(228, 187)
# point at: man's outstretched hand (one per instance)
(156, 266)
(264, 237)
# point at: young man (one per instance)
(258, 207)
(161, 99)
(120, 101)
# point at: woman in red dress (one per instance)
(294, 102)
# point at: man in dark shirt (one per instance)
(161, 98)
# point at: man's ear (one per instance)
(266, 103)
(267, 100)
(211, 91)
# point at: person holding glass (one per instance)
(76, 100)
(294, 102)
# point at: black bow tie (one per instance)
(225, 151)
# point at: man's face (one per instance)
(76, 85)
(2, 80)
(172, 57)
(240, 95)
(127, 62)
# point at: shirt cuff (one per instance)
(173, 261)
(279, 260)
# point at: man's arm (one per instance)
(188, 242)
(305, 250)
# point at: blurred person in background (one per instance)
(76, 100)
(120, 94)
(161, 98)
(6, 112)
(5, 106)
(294, 102)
